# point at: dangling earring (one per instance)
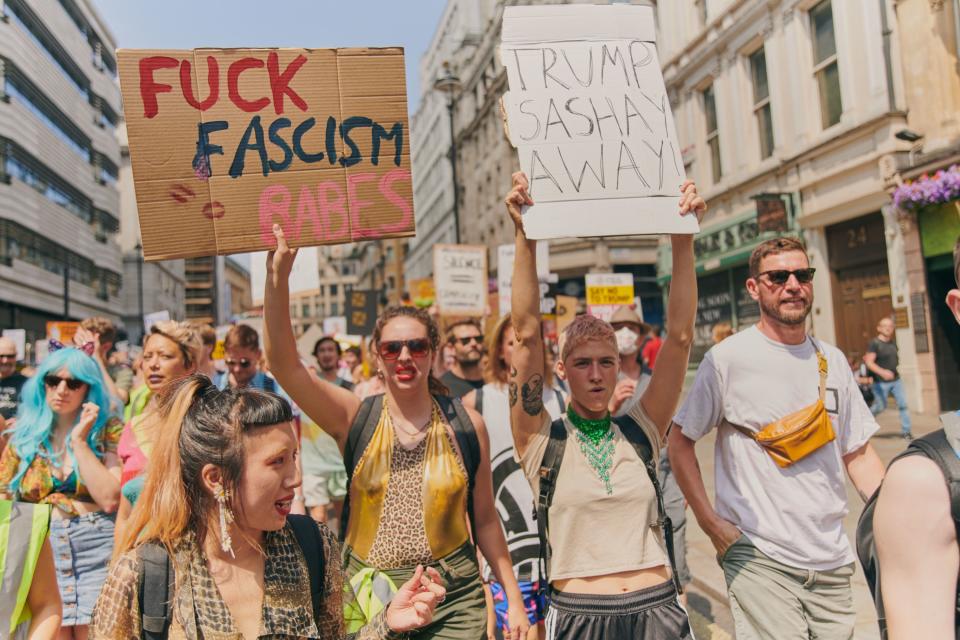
(226, 517)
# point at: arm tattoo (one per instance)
(512, 387)
(532, 393)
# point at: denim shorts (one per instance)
(82, 547)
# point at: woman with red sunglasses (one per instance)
(419, 466)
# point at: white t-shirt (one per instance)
(793, 514)
(511, 491)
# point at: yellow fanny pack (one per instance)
(799, 434)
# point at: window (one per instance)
(306, 310)
(761, 102)
(57, 194)
(33, 27)
(333, 291)
(46, 115)
(713, 134)
(334, 309)
(825, 67)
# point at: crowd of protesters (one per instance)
(440, 483)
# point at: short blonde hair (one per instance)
(583, 329)
(184, 334)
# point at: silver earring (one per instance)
(226, 517)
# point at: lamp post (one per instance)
(450, 84)
(139, 249)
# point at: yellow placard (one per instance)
(218, 351)
(609, 295)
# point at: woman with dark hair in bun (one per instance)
(215, 513)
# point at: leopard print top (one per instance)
(401, 539)
(201, 613)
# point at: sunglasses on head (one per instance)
(469, 339)
(391, 349)
(53, 382)
(242, 362)
(780, 276)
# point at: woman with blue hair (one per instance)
(62, 452)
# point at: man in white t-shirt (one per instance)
(778, 531)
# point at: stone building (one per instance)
(59, 165)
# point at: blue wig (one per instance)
(35, 419)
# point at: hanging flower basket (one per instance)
(940, 188)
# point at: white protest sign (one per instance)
(589, 115)
(151, 319)
(460, 278)
(19, 337)
(607, 292)
(335, 326)
(506, 253)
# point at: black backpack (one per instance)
(156, 580)
(365, 425)
(550, 469)
(936, 447)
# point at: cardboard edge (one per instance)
(570, 216)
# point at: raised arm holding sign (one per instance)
(588, 113)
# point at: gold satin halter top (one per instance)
(442, 499)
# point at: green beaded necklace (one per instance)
(596, 442)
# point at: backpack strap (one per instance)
(478, 400)
(466, 435)
(936, 447)
(307, 533)
(155, 587)
(361, 432)
(563, 405)
(549, 470)
(638, 439)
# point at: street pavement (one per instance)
(709, 613)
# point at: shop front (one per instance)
(723, 252)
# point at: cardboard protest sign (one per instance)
(506, 254)
(361, 311)
(606, 292)
(460, 279)
(422, 291)
(62, 332)
(226, 142)
(588, 113)
(566, 311)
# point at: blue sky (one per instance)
(184, 24)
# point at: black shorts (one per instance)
(649, 614)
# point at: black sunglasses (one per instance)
(243, 362)
(391, 349)
(780, 276)
(53, 382)
(469, 339)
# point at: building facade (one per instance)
(486, 160)
(59, 165)
(802, 117)
(920, 242)
(380, 266)
(147, 286)
(238, 288)
(456, 35)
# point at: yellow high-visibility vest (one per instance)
(23, 528)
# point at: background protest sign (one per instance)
(361, 312)
(506, 254)
(589, 115)
(606, 292)
(460, 279)
(226, 142)
(62, 331)
(566, 311)
(335, 326)
(19, 337)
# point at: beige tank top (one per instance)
(592, 533)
